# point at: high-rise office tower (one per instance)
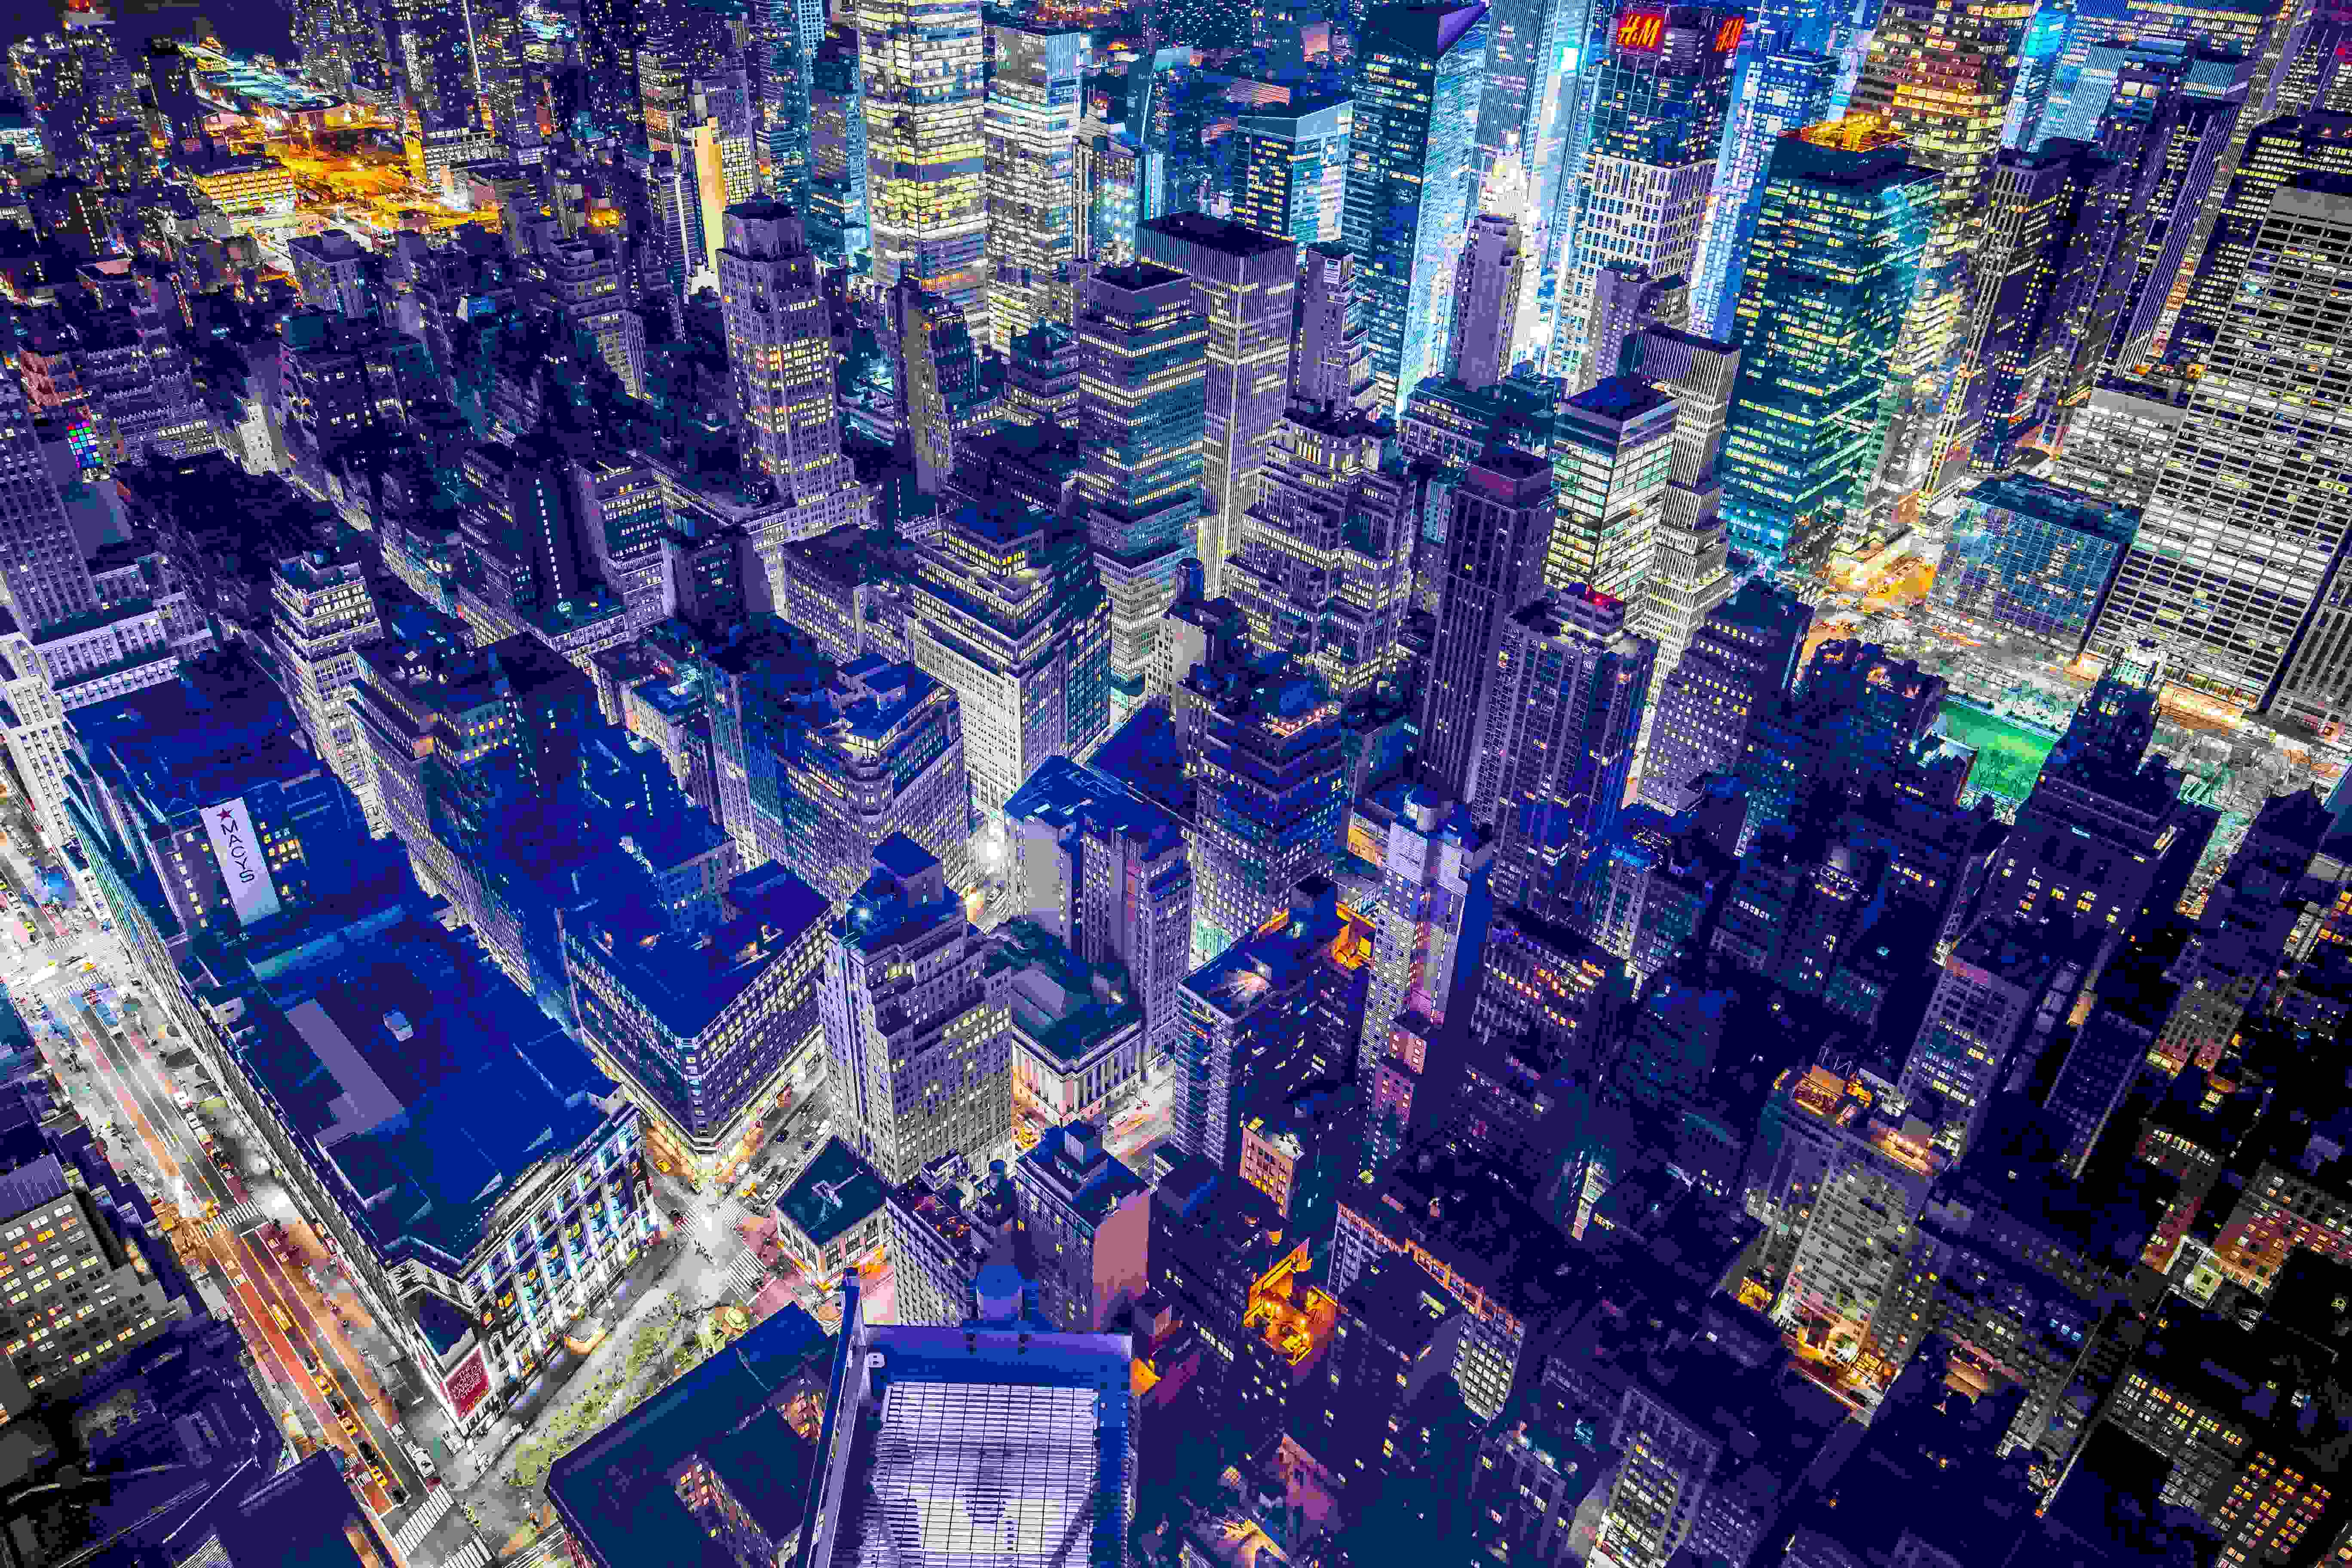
(779, 350)
(1142, 406)
(612, 33)
(704, 1027)
(438, 52)
(1032, 132)
(43, 575)
(1779, 93)
(1293, 175)
(2277, 154)
(1412, 181)
(1828, 285)
(1610, 450)
(1272, 792)
(1742, 659)
(2038, 55)
(1110, 874)
(922, 77)
(2115, 440)
(783, 111)
(836, 211)
(1488, 285)
(1244, 283)
(1431, 928)
(1568, 711)
(2105, 834)
(1322, 565)
(2053, 227)
(2176, 120)
(1688, 573)
(943, 398)
(2312, 69)
(2234, 569)
(1330, 356)
(1493, 544)
(1277, 1014)
(1657, 112)
(320, 611)
(1007, 609)
(916, 1033)
(2005, 983)
(1939, 72)
(1517, 71)
(1042, 372)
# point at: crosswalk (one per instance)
(743, 1272)
(473, 1554)
(245, 1216)
(410, 1536)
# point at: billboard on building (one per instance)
(243, 866)
(467, 1386)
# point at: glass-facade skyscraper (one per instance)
(1657, 115)
(1777, 93)
(2033, 560)
(1412, 181)
(1838, 244)
(1032, 134)
(923, 81)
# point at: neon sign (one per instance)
(1641, 31)
(1726, 36)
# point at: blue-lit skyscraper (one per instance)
(1777, 93)
(1829, 279)
(1658, 105)
(1420, 73)
(1273, 783)
(2038, 53)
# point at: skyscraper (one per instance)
(42, 574)
(1142, 405)
(2052, 231)
(1293, 175)
(917, 1039)
(1244, 283)
(1568, 711)
(943, 397)
(1939, 73)
(779, 350)
(836, 212)
(2277, 154)
(1411, 180)
(1494, 542)
(1330, 357)
(1742, 659)
(2234, 570)
(922, 78)
(1610, 450)
(1430, 930)
(1273, 791)
(1487, 286)
(1830, 280)
(1658, 113)
(1032, 128)
(1008, 610)
(1688, 573)
(1322, 565)
(1780, 93)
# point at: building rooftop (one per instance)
(1065, 1006)
(837, 1191)
(425, 1078)
(1072, 1163)
(748, 1413)
(688, 983)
